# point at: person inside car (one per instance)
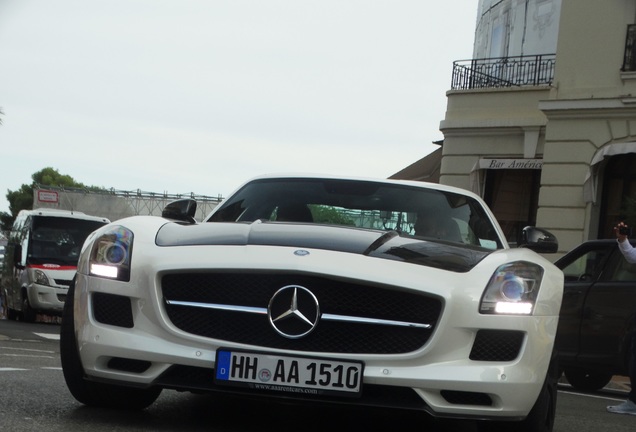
(294, 212)
(629, 252)
(430, 224)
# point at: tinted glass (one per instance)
(58, 240)
(411, 211)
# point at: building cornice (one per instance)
(624, 106)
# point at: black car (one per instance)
(597, 314)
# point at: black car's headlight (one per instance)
(512, 289)
(110, 254)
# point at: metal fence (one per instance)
(629, 60)
(116, 204)
(535, 70)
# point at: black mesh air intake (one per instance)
(497, 345)
(113, 310)
(466, 398)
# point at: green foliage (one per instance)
(22, 199)
(51, 177)
(6, 221)
(329, 215)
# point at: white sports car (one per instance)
(321, 289)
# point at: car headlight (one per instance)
(111, 253)
(512, 289)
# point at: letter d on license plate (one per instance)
(289, 374)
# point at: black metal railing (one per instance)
(629, 60)
(535, 70)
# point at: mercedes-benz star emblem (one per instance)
(293, 311)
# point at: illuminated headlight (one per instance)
(40, 278)
(512, 289)
(110, 254)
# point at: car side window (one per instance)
(620, 270)
(586, 267)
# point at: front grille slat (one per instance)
(335, 297)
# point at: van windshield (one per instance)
(58, 240)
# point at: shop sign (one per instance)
(511, 163)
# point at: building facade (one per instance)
(541, 122)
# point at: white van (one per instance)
(40, 260)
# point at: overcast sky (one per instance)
(198, 96)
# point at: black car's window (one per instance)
(619, 270)
(363, 204)
(625, 271)
(586, 267)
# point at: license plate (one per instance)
(288, 374)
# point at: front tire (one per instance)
(28, 314)
(586, 380)
(89, 392)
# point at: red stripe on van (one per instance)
(52, 267)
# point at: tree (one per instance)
(322, 214)
(22, 199)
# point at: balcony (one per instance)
(520, 71)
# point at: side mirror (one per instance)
(181, 210)
(17, 257)
(538, 240)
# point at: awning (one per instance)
(426, 169)
(591, 177)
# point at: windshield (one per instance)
(58, 240)
(408, 210)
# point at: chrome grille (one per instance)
(339, 297)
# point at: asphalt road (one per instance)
(33, 396)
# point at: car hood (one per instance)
(373, 243)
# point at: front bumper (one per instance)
(47, 299)
(450, 376)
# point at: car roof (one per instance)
(603, 241)
(415, 183)
(589, 244)
(48, 212)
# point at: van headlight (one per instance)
(512, 290)
(110, 254)
(40, 278)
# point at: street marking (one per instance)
(51, 336)
(27, 349)
(8, 369)
(592, 396)
(26, 355)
